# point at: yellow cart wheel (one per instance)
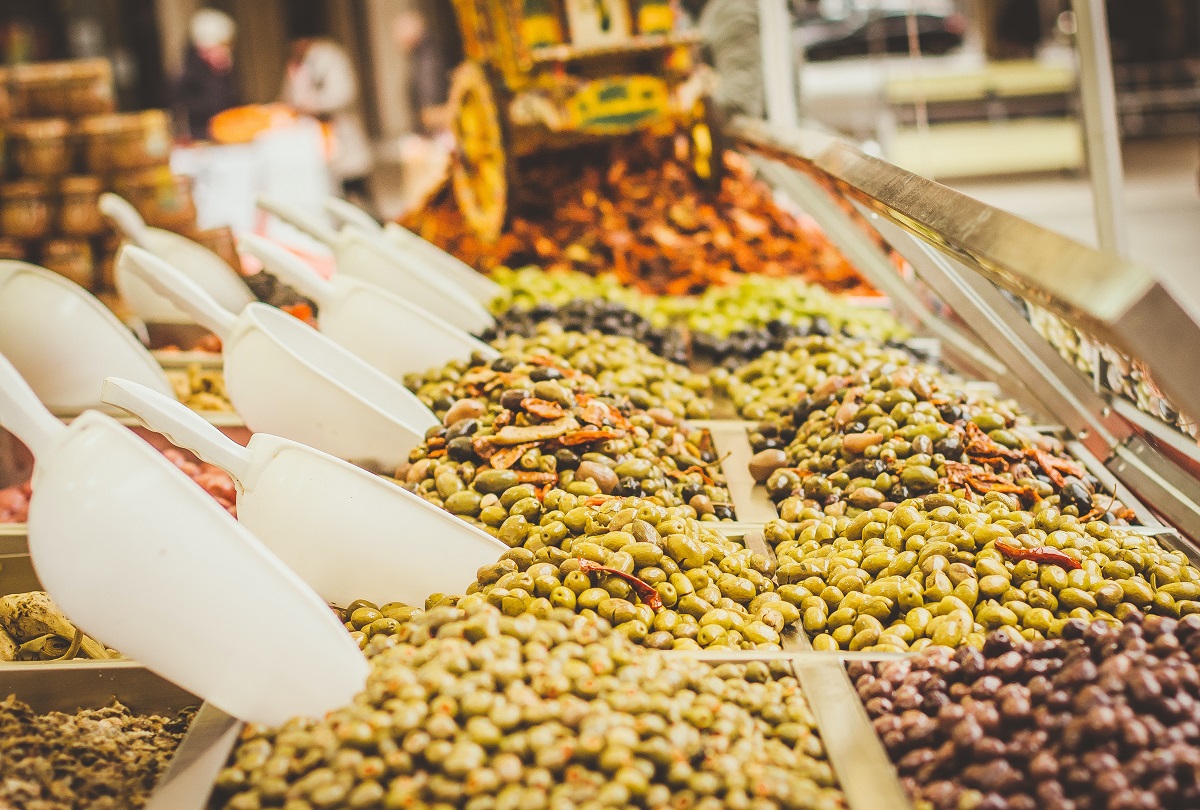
(707, 147)
(479, 172)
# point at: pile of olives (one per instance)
(941, 570)
(854, 444)
(729, 325)
(588, 316)
(616, 365)
(697, 588)
(1105, 719)
(753, 302)
(528, 287)
(533, 426)
(768, 387)
(468, 707)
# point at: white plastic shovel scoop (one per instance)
(371, 258)
(347, 533)
(286, 378)
(65, 342)
(208, 270)
(140, 557)
(480, 287)
(391, 334)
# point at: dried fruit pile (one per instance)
(32, 628)
(638, 212)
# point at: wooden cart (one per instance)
(550, 74)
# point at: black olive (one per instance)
(690, 491)
(801, 410)
(786, 488)
(503, 364)
(463, 427)
(1076, 494)
(511, 399)
(823, 403)
(723, 511)
(443, 403)
(566, 459)
(822, 326)
(950, 413)
(628, 486)
(460, 449)
(950, 447)
(543, 373)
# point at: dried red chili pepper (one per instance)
(585, 436)
(541, 408)
(1040, 554)
(536, 478)
(644, 590)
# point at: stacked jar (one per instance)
(62, 144)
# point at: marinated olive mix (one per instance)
(530, 426)
(768, 387)
(907, 432)
(617, 366)
(665, 580)
(1107, 718)
(102, 759)
(945, 571)
(527, 287)
(468, 707)
(732, 323)
(592, 315)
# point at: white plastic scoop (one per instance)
(65, 342)
(286, 378)
(347, 533)
(208, 270)
(480, 287)
(140, 557)
(391, 334)
(371, 258)
(347, 213)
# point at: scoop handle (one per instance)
(178, 289)
(183, 426)
(287, 266)
(23, 414)
(350, 214)
(299, 218)
(126, 217)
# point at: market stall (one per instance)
(772, 494)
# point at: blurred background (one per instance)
(981, 94)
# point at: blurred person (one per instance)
(425, 152)
(428, 72)
(208, 84)
(733, 46)
(321, 82)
